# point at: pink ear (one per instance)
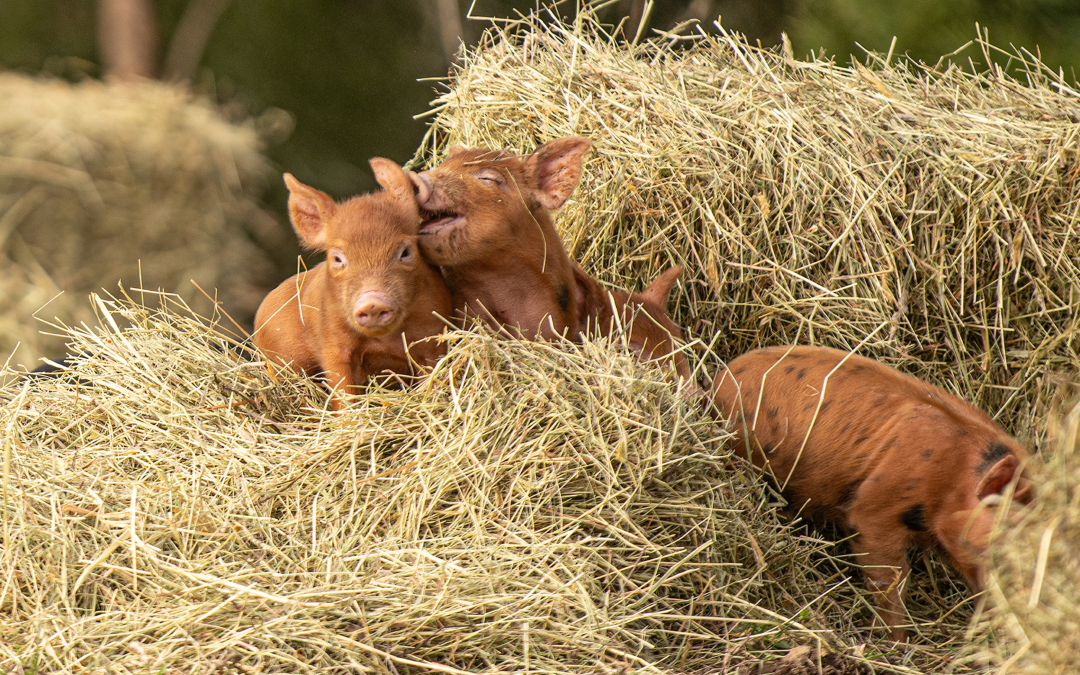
(1023, 494)
(393, 179)
(997, 477)
(309, 209)
(658, 290)
(554, 169)
(455, 149)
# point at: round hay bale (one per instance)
(167, 506)
(932, 208)
(132, 182)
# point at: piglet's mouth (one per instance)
(435, 222)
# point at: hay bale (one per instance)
(97, 178)
(932, 208)
(1036, 565)
(542, 507)
(555, 507)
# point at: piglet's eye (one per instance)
(406, 254)
(337, 259)
(490, 176)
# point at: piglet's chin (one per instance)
(376, 331)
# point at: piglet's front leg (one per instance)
(881, 551)
(340, 379)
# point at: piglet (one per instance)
(351, 316)
(891, 459)
(487, 224)
(643, 316)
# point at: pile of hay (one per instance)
(95, 178)
(166, 507)
(933, 208)
(927, 210)
(1036, 565)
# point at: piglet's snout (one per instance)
(373, 310)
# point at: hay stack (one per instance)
(558, 508)
(933, 208)
(95, 178)
(168, 508)
(1036, 565)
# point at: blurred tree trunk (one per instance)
(127, 38)
(189, 40)
(449, 18)
(632, 10)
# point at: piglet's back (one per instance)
(821, 447)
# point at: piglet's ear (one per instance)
(1000, 475)
(393, 179)
(309, 209)
(1023, 494)
(658, 291)
(455, 149)
(554, 169)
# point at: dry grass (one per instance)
(530, 507)
(934, 208)
(1036, 564)
(928, 210)
(96, 178)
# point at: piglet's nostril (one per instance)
(374, 317)
(373, 310)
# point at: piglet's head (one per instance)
(372, 261)
(477, 202)
(972, 528)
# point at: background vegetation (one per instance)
(347, 70)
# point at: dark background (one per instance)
(347, 70)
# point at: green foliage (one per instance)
(926, 29)
(33, 34)
(346, 71)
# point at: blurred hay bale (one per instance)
(24, 291)
(95, 178)
(1036, 565)
(167, 507)
(932, 207)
